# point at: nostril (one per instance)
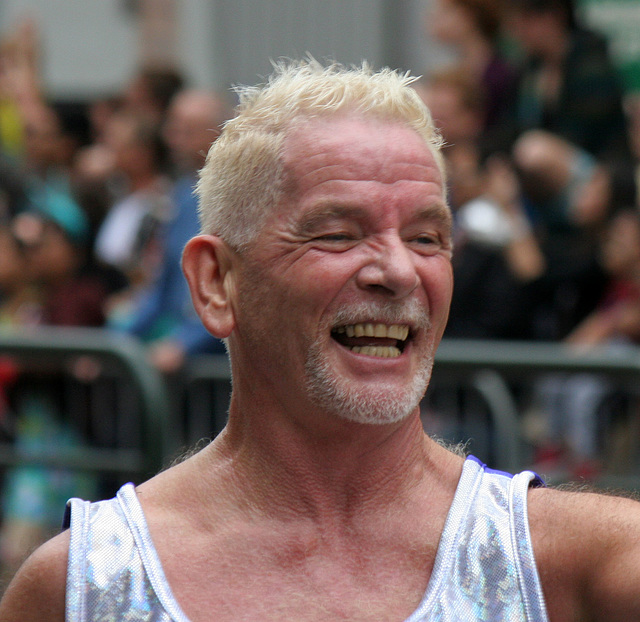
(376, 287)
(390, 271)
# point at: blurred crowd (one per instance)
(96, 204)
(542, 151)
(543, 156)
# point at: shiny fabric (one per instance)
(114, 573)
(484, 569)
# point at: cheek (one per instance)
(281, 294)
(320, 275)
(437, 279)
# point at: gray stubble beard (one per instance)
(376, 405)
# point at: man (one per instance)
(325, 264)
(165, 317)
(567, 81)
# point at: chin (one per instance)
(376, 410)
(376, 404)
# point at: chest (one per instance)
(292, 581)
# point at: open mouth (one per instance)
(381, 340)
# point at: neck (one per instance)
(287, 470)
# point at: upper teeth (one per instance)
(395, 331)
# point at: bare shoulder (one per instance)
(587, 547)
(37, 592)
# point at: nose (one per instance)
(390, 270)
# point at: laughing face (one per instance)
(345, 293)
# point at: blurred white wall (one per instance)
(88, 45)
(92, 47)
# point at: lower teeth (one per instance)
(380, 351)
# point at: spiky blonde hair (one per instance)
(242, 179)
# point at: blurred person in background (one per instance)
(20, 89)
(33, 133)
(458, 108)
(567, 83)
(151, 90)
(146, 96)
(50, 243)
(128, 237)
(165, 317)
(56, 237)
(93, 168)
(617, 317)
(19, 299)
(499, 259)
(473, 29)
(580, 207)
(570, 196)
(48, 152)
(497, 255)
(569, 412)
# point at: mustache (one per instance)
(411, 312)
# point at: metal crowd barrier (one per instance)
(494, 365)
(488, 367)
(122, 361)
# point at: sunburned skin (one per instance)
(361, 242)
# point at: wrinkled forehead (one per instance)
(341, 127)
(354, 146)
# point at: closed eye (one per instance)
(334, 237)
(428, 243)
(334, 242)
(427, 239)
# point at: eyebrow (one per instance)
(328, 211)
(438, 212)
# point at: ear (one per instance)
(207, 265)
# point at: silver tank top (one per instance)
(484, 569)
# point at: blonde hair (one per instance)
(243, 177)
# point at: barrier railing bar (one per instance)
(488, 364)
(60, 344)
(512, 356)
(453, 355)
(513, 359)
(504, 356)
(78, 458)
(504, 411)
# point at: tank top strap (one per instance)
(527, 573)
(114, 570)
(134, 514)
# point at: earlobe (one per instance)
(207, 266)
